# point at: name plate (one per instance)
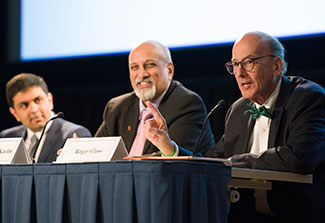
(13, 151)
(99, 149)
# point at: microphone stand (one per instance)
(220, 104)
(58, 115)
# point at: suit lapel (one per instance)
(247, 126)
(23, 133)
(275, 123)
(130, 126)
(164, 102)
(52, 136)
(163, 108)
(281, 101)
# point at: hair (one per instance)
(21, 83)
(166, 53)
(276, 48)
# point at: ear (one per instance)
(170, 69)
(50, 99)
(277, 66)
(13, 112)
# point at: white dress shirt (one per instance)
(260, 135)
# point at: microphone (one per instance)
(58, 115)
(220, 104)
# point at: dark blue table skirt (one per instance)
(120, 191)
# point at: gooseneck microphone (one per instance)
(58, 115)
(220, 104)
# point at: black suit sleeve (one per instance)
(103, 129)
(82, 132)
(303, 137)
(185, 116)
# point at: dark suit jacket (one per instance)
(56, 136)
(296, 144)
(183, 110)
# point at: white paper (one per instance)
(98, 149)
(13, 151)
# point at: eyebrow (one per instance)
(243, 58)
(22, 103)
(27, 102)
(149, 60)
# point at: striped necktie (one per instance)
(33, 146)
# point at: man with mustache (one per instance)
(31, 103)
(278, 124)
(151, 74)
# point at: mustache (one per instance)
(147, 79)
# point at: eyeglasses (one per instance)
(247, 64)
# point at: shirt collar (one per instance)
(156, 102)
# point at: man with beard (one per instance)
(31, 103)
(151, 71)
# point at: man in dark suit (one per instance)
(151, 72)
(31, 103)
(288, 134)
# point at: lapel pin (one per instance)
(129, 128)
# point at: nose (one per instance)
(239, 71)
(33, 107)
(143, 73)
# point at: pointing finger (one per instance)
(155, 111)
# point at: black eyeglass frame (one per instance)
(230, 67)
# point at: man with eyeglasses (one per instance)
(278, 124)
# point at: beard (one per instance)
(146, 94)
